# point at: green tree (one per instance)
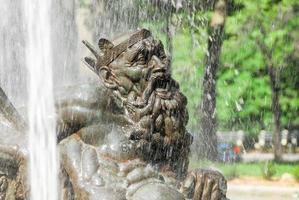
(243, 83)
(208, 107)
(259, 50)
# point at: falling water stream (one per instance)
(39, 49)
(41, 113)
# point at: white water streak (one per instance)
(43, 162)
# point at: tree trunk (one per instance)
(169, 35)
(274, 83)
(208, 106)
(276, 112)
(192, 44)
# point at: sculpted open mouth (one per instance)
(159, 70)
(161, 84)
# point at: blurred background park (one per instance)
(237, 61)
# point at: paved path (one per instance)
(260, 192)
(256, 157)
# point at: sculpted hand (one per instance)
(130, 106)
(204, 185)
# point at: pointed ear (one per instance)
(91, 48)
(105, 44)
(90, 61)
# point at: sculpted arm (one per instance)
(77, 107)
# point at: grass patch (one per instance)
(232, 170)
(268, 170)
(296, 172)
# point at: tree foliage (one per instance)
(243, 88)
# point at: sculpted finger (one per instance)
(89, 162)
(187, 187)
(216, 194)
(206, 194)
(223, 186)
(199, 187)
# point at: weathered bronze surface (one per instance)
(124, 137)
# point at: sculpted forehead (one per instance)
(123, 51)
(139, 53)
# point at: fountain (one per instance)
(122, 137)
(43, 166)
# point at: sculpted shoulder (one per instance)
(89, 95)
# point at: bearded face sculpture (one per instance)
(137, 71)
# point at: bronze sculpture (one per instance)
(122, 138)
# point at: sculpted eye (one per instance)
(140, 59)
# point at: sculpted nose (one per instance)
(157, 65)
(155, 61)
